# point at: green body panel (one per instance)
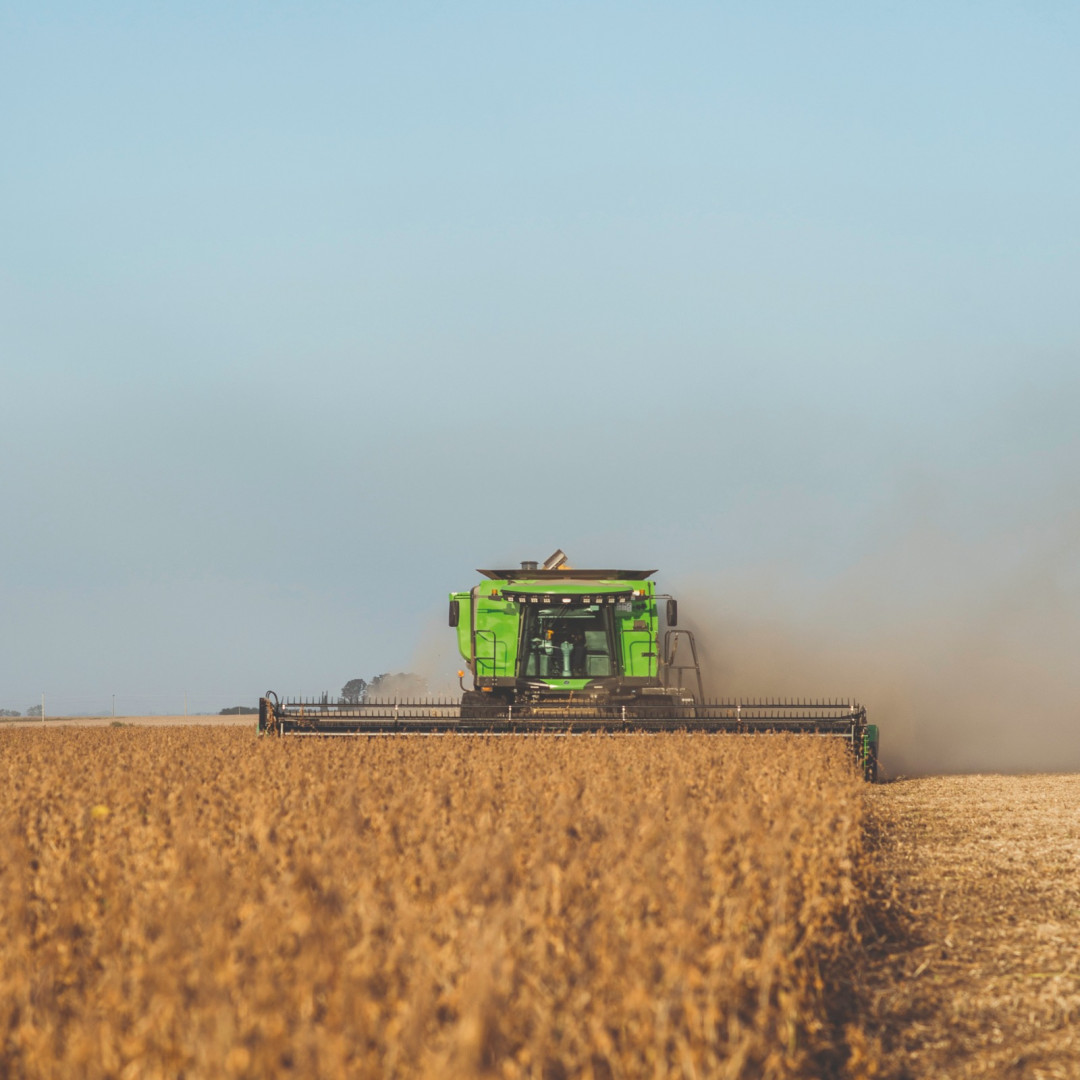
(869, 755)
(637, 631)
(489, 626)
(870, 739)
(496, 637)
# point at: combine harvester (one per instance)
(561, 651)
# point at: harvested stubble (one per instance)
(202, 903)
(985, 982)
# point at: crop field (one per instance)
(200, 903)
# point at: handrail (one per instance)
(493, 660)
(671, 648)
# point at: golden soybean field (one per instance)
(203, 903)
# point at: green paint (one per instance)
(869, 755)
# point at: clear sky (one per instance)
(306, 310)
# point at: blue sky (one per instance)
(308, 310)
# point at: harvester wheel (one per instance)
(476, 705)
(469, 700)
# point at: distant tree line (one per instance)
(11, 712)
(384, 687)
(389, 686)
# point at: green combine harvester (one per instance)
(561, 651)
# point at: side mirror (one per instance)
(673, 612)
(455, 612)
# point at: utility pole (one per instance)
(114, 706)
(43, 706)
(185, 703)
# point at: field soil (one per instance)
(983, 979)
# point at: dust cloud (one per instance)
(965, 652)
(436, 659)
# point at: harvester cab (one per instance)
(548, 637)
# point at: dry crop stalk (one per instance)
(207, 903)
